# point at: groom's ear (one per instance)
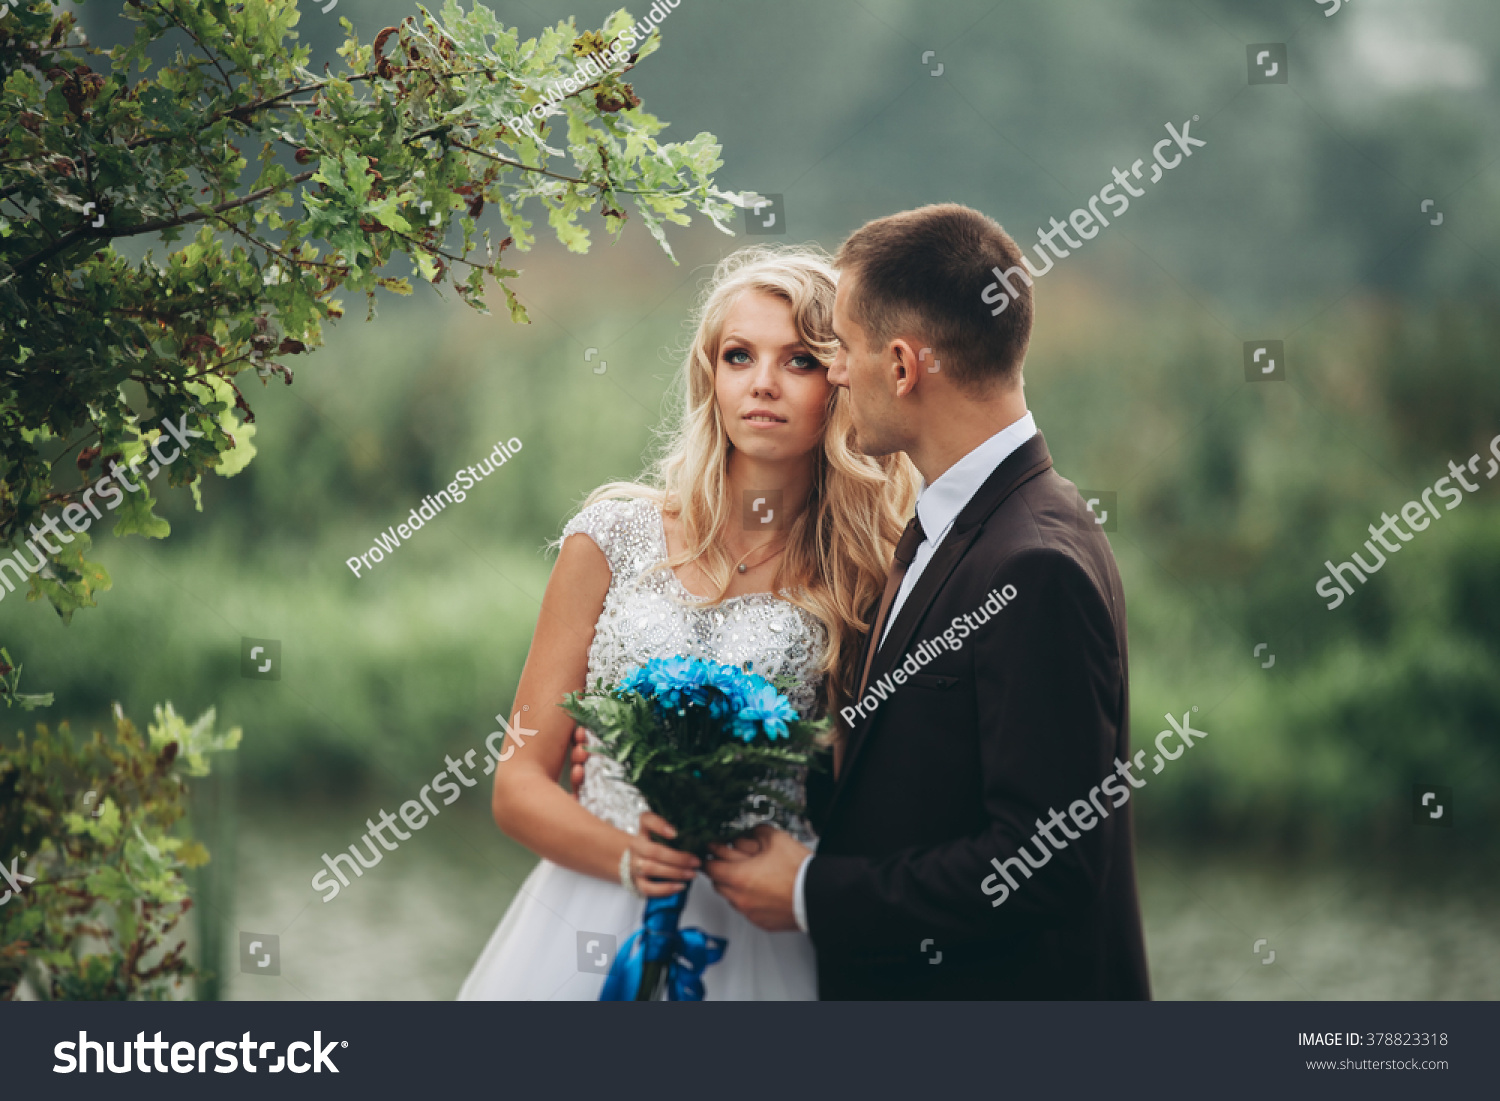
(905, 365)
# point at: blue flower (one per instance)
(745, 703)
(726, 682)
(762, 708)
(677, 679)
(673, 682)
(638, 680)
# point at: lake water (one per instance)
(411, 927)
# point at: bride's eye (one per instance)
(730, 357)
(806, 362)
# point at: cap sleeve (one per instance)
(620, 528)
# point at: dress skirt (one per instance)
(561, 932)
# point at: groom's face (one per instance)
(861, 369)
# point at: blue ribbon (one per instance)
(686, 952)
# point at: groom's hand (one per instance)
(758, 875)
(580, 756)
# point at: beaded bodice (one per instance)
(648, 613)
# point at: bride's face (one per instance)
(772, 391)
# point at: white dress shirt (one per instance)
(942, 501)
(937, 507)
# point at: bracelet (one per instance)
(626, 879)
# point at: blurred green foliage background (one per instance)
(1300, 220)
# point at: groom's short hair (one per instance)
(924, 271)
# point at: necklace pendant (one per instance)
(742, 567)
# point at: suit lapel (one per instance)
(1025, 463)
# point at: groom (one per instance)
(977, 841)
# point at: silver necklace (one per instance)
(744, 568)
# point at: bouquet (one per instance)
(708, 746)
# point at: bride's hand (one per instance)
(658, 870)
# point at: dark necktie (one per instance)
(906, 550)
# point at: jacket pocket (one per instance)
(931, 680)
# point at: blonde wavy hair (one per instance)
(838, 551)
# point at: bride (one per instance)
(764, 537)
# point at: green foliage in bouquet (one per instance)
(705, 744)
(91, 837)
(270, 188)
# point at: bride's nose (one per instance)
(763, 384)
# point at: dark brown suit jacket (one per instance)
(952, 770)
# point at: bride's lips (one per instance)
(763, 418)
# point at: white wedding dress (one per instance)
(561, 931)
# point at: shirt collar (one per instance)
(942, 501)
